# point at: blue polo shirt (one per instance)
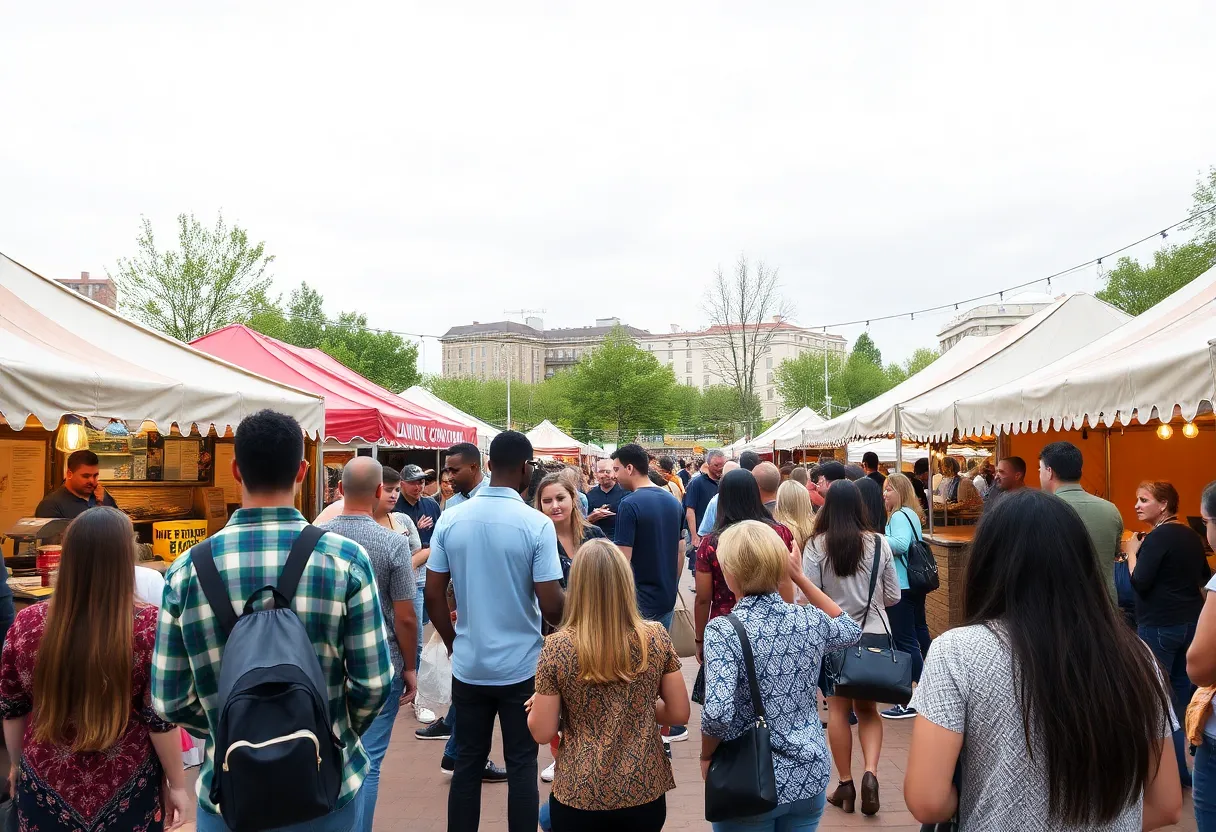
(458, 498)
(497, 549)
(598, 497)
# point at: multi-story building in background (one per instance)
(992, 318)
(100, 289)
(530, 353)
(527, 352)
(698, 358)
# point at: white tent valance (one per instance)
(61, 354)
(973, 365)
(1158, 361)
(763, 441)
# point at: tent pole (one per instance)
(1106, 453)
(899, 443)
(375, 450)
(929, 490)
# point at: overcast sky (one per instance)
(434, 164)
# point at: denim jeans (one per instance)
(375, 743)
(451, 748)
(1169, 645)
(476, 707)
(799, 816)
(918, 616)
(345, 819)
(666, 620)
(903, 631)
(1204, 794)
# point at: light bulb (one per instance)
(1190, 430)
(1165, 431)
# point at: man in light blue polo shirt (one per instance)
(501, 557)
(463, 467)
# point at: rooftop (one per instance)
(577, 333)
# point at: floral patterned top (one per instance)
(707, 561)
(612, 755)
(86, 783)
(788, 644)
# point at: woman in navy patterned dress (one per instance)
(789, 642)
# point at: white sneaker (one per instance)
(547, 774)
(424, 715)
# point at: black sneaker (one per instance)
(492, 774)
(437, 730)
(899, 712)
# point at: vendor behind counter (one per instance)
(79, 491)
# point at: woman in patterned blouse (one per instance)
(88, 751)
(599, 676)
(789, 642)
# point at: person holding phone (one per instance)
(604, 499)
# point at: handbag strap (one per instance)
(917, 534)
(873, 584)
(749, 664)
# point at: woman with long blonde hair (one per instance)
(88, 751)
(600, 676)
(794, 511)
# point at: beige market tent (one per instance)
(763, 441)
(1153, 366)
(61, 353)
(975, 364)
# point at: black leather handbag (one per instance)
(741, 781)
(872, 670)
(922, 566)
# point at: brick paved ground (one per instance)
(414, 794)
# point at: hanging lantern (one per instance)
(1165, 431)
(72, 436)
(1190, 430)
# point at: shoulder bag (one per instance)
(683, 630)
(741, 781)
(922, 566)
(872, 670)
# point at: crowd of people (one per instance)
(1067, 700)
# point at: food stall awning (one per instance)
(549, 440)
(790, 435)
(62, 353)
(974, 364)
(1157, 362)
(426, 399)
(763, 440)
(355, 409)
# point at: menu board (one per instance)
(22, 479)
(181, 460)
(225, 453)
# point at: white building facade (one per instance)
(992, 318)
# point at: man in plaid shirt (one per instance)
(336, 601)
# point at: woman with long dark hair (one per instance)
(875, 509)
(738, 500)
(88, 751)
(1168, 570)
(839, 559)
(1056, 713)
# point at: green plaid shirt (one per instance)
(337, 602)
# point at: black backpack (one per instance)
(922, 566)
(277, 761)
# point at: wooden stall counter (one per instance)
(950, 546)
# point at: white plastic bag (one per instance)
(435, 675)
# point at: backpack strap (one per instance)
(301, 551)
(213, 587)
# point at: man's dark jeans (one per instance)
(475, 707)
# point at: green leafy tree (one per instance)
(301, 324)
(726, 412)
(864, 349)
(619, 387)
(685, 409)
(1135, 288)
(800, 380)
(919, 360)
(383, 357)
(1205, 200)
(214, 277)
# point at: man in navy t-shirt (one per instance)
(650, 531)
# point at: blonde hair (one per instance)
(794, 511)
(907, 494)
(754, 555)
(602, 615)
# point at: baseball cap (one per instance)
(412, 473)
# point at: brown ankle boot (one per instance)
(845, 796)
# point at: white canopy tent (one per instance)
(1158, 362)
(790, 435)
(548, 440)
(425, 398)
(973, 365)
(763, 441)
(61, 353)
